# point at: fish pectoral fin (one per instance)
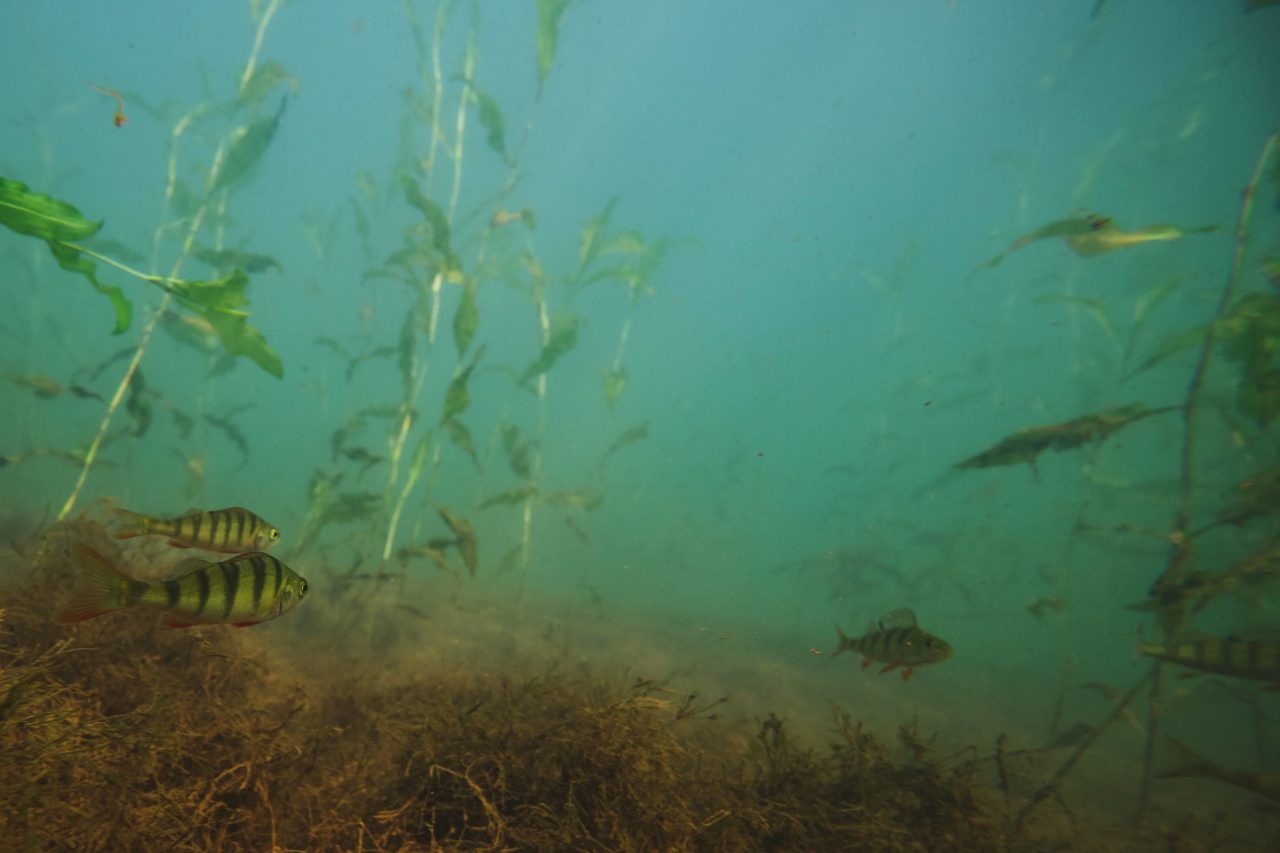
(888, 667)
(186, 567)
(245, 624)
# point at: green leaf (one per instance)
(615, 381)
(589, 243)
(72, 261)
(436, 219)
(466, 318)
(42, 216)
(461, 436)
(490, 118)
(514, 496)
(240, 339)
(1173, 345)
(248, 144)
(457, 398)
(1095, 308)
(1259, 396)
(563, 337)
(549, 14)
(222, 295)
(231, 258)
(266, 77)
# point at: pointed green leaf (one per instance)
(1173, 345)
(72, 261)
(265, 78)
(240, 339)
(222, 295)
(38, 215)
(248, 144)
(1094, 307)
(589, 244)
(549, 14)
(466, 318)
(457, 398)
(491, 120)
(461, 436)
(563, 337)
(231, 258)
(514, 496)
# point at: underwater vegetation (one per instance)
(409, 705)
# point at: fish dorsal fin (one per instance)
(186, 567)
(1191, 635)
(872, 627)
(903, 617)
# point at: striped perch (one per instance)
(233, 530)
(1256, 659)
(895, 641)
(241, 591)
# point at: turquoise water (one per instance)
(812, 349)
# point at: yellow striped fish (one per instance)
(241, 591)
(896, 642)
(233, 530)
(1257, 659)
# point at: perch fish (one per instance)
(241, 591)
(895, 641)
(234, 530)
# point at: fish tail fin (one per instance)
(131, 524)
(100, 589)
(844, 642)
(1185, 763)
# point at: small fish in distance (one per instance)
(895, 641)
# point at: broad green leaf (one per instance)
(461, 436)
(1173, 345)
(266, 77)
(615, 382)
(549, 14)
(230, 258)
(1259, 396)
(72, 261)
(457, 398)
(563, 337)
(221, 295)
(1094, 307)
(240, 339)
(38, 215)
(589, 243)
(138, 406)
(466, 318)
(514, 496)
(436, 219)
(490, 118)
(248, 144)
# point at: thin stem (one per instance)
(118, 397)
(252, 64)
(1181, 551)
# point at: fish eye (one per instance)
(273, 534)
(928, 642)
(304, 588)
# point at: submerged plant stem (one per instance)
(92, 453)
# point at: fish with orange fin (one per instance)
(234, 530)
(895, 641)
(1090, 234)
(242, 591)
